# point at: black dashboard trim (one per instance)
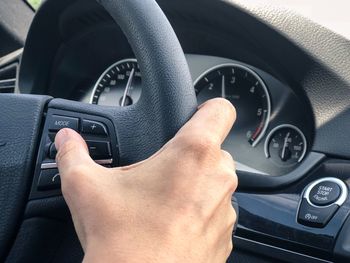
(265, 183)
(278, 253)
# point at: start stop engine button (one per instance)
(321, 200)
(325, 193)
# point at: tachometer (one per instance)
(247, 92)
(119, 85)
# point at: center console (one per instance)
(305, 222)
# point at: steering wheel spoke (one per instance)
(99, 133)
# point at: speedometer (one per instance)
(246, 91)
(119, 85)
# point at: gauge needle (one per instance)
(223, 89)
(128, 86)
(285, 145)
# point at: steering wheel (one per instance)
(167, 102)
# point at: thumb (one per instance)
(72, 152)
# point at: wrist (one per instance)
(105, 253)
(117, 251)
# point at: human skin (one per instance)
(173, 207)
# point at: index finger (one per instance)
(214, 119)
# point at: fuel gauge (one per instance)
(286, 145)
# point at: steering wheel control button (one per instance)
(52, 151)
(94, 128)
(99, 150)
(57, 123)
(325, 193)
(49, 180)
(317, 217)
(97, 131)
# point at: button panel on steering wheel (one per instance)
(99, 134)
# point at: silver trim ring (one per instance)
(105, 72)
(268, 138)
(341, 200)
(46, 166)
(241, 66)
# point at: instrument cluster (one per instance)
(264, 140)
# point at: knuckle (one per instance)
(228, 159)
(234, 168)
(228, 155)
(203, 144)
(229, 248)
(199, 145)
(231, 181)
(234, 178)
(232, 218)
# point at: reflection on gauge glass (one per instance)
(119, 85)
(247, 92)
(286, 145)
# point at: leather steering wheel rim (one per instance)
(168, 98)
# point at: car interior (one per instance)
(127, 75)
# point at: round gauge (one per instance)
(286, 145)
(247, 92)
(119, 85)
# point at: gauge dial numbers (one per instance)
(286, 145)
(246, 91)
(119, 85)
